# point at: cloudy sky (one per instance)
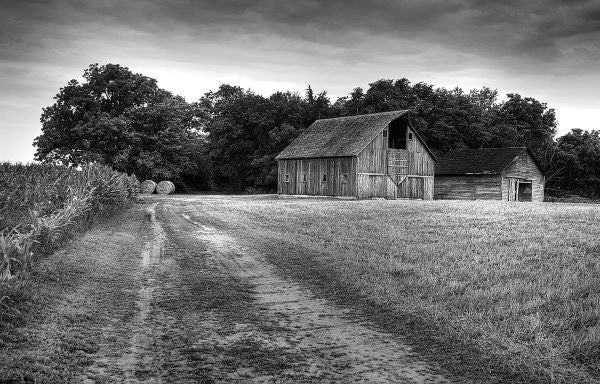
(547, 49)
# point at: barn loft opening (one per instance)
(397, 134)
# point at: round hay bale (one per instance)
(165, 188)
(147, 186)
(172, 187)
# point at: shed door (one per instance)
(519, 189)
(524, 191)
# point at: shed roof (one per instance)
(479, 161)
(338, 137)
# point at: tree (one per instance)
(235, 127)
(125, 120)
(578, 157)
(246, 131)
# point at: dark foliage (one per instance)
(578, 162)
(246, 131)
(125, 120)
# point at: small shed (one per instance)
(364, 156)
(511, 174)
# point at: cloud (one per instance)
(548, 49)
(527, 30)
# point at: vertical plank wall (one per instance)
(420, 161)
(372, 169)
(334, 168)
(419, 183)
(372, 177)
(524, 168)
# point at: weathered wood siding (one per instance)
(371, 186)
(372, 167)
(524, 169)
(421, 187)
(372, 159)
(378, 171)
(420, 161)
(421, 164)
(468, 187)
(313, 169)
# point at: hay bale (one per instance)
(165, 188)
(172, 186)
(147, 186)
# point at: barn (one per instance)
(364, 156)
(510, 174)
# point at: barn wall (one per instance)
(373, 170)
(372, 159)
(468, 187)
(371, 186)
(524, 168)
(334, 168)
(420, 161)
(412, 188)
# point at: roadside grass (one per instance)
(516, 285)
(43, 206)
(68, 301)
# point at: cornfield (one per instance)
(40, 205)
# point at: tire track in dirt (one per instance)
(140, 354)
(338, 346)
(138, 362)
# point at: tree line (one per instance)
(228, 140)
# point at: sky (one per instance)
(546, 49)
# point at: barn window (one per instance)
(324, 178)
(397, 134)
(409, 135)
(287, 178)
(304, 177)
(385, 133)
(344, 178)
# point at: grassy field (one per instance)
(510, 292)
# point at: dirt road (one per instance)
(161, 293)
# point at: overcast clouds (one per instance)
(545, 49)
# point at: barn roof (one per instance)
(479, 161)
(338, 137)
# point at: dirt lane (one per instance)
(167, 297)
(335, 343)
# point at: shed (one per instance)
(364, 156)
(511, 174)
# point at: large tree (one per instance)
(125, 120)
(246, 131)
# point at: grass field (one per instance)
(488, 288)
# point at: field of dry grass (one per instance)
(517, 286)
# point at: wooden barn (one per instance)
(510, 174)
(365, 156)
